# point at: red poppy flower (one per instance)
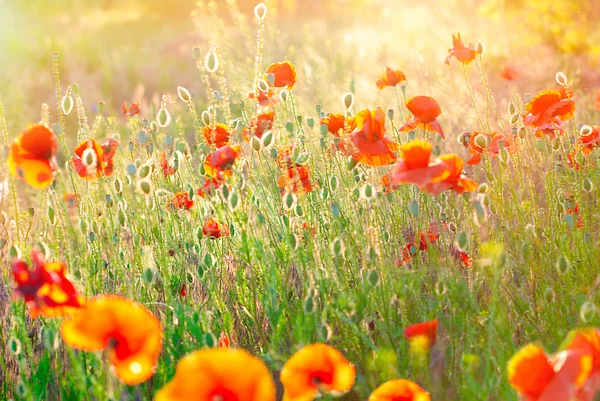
(32, 156)
(218, 164)
(463, 54)
(264, 98)
(493, 148)
(587, 341)
(461, 256)
(538, 377)
(547, 111)
(590, 141)
(316, 368)
(130, 110)
(456, 181)
(425, 110)
(183, 290)
(284, 74)
(93, 160)
(213, 229)
(259, 125)
(224, 341)
(296, 179)
(510, 74)
(224, 374)
(367, 144)
(422, 335)
(166, 165)
(390, 78)
(180, 201)
(399, 390)
(216, 135)
(209, 187)
(129, 332)
(45, 287)
(416, 167)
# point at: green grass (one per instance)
(278, 282)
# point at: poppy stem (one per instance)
(400, 110)
(464, 68)
(11, 180)
(488, 91)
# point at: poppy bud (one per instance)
(482, 188)
(514, 119)
(480, 48)
(271, 79)
(348, 100)
(525, 249)
(556, 144)
(512, 109)
(527, 97)
(310, 122)
(233, 201)
(144, 171)
(145, 187)
(481, 141)
(373, 278)
(14, 346)
(289, 200)
(588, 186)
(267, 139)
(368, 192)
(196, 53)
(211, 62)
(563, 265)
(283, 95)
(549, 295)
(100, 107)
(263, 85)
(217, 96)
(260, 11)
(302, 158)
(54, 55)
(14, 252)
(255, 142)
(184, 94)
(131, 169)
(413, 208)
(309, 305)
(390, 114)
(163, 118)
(351, 163)
(333, 183)
(587, 312)
(67, 104)
(338, 248)
(522, 132)
(89, 158)
(462, 239)
(324, 332)
(289, 127)
(586, 130)
(205, 117)
(561, 78)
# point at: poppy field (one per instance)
(301, 201)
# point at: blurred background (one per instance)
(136, 50)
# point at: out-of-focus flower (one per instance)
(130, 110)
(547, 111)
(213, 229)
(425, 111)
(218, 163)
(93, 160)
(216, 135)
(391, 78)
(399, 390)
(462, 53)
(284, 75)
(180, 201)
(32, 156)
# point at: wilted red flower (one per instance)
(225, 374)
(316, 368)
(213, 229)
(129, 332)
(259, 125)
(390, 78)
(425, 111)
(461, 256)
(284, 74)
(335, 123)
(130, 110)
(93, 160)
(416, 167)
(32, 156)
(422, 335)
(399, 390)
(367, 144)
(547, 111)
(216, 135)
(463, 54)
(296, 179)
(510, 74)
(209, 187)
(45, 287)
(180, 201)
(264, 98)
(166, 165)
(218, 164)
(456, 181)
(494, 142)
(536, 376)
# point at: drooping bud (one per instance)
(561, 78)
(348, 100)
(480, 48)
(211, 62)
(184, 94)
(260, 11)
(263, 85)
(67, 104)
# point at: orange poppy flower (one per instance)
(597, 100)
(284, 74)
(494, 139)
(212, 229)
(462, 53)
(218, 164)
(130, 110)
(219, 374)
(456, 181)
(264, 98)
(32, 156)
(296, 179)
(547, 111)
(166, 165)
(425, 110)
(536, 376)
(209, 187)
(390, 78)
(367, 144)
(422, 335)
(335, 123)
(461, 256)
(510, 74)
(587, 340)
(316, 368)
(416, 167)
(129, 332)
(224, 341)
(590, 141)
(399, 390)
(45, 287)
(259, 125)
(216, 135)
(93, 160)
(180, 201)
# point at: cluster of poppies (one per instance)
(132, 338)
